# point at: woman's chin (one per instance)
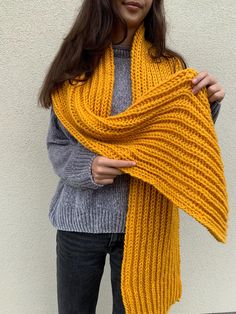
(133, 23)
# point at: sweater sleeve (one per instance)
(215, 109)
(71, 161)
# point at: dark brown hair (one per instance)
(91, 34)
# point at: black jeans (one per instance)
(80, 264)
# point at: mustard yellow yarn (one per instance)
(169, 132)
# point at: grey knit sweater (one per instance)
(79, 204)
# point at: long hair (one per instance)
(91, 34)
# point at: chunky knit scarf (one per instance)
(170, 134)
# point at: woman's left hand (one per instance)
(214, 90)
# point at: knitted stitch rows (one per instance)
(170, 134)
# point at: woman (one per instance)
(90, 204)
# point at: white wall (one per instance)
(30, 34)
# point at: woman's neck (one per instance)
(117, 35)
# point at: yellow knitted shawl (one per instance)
(169, 132)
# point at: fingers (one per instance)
(216, 97)
(216, 93)
(201, 80)
(104, 181)
(200, 85)
(201, 75)
(104, 170)
(115, 163)
(213, 89)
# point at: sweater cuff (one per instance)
(82, 171)
(215, 109)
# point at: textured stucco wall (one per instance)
(30, 34)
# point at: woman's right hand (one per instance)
(104, 170)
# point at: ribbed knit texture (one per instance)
(170, 134)
(80, 204)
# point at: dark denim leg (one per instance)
(80, 264)
(116, 256)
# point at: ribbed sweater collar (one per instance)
(121, 52)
